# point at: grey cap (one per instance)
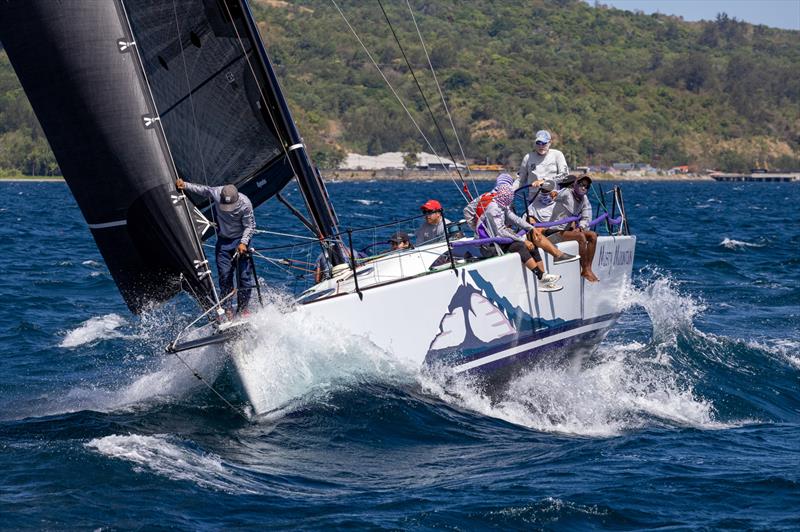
(398, 237)
(548, 186)
(229, 197)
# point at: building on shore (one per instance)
(396, 160)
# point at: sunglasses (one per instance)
(584, 186)
(540, 143)
(428, 213)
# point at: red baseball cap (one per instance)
(431, 205)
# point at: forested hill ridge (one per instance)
(612, 85)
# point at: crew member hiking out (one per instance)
(569, 202)
(235, 227)
(496, 219)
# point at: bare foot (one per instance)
(590, 276)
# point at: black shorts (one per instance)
(519, 248)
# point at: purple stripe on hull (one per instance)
(585, 340)
(535, 335)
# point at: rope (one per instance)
(397, 96)
(210, 387)
(425, 99)
(441, 94)
(191, 105)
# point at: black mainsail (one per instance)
(134, 93)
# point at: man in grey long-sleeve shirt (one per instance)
(236, 224)
(572, 201)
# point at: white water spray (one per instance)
(94, 329)
(621, 387)
(289, 358)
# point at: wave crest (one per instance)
(94, 329)
(729, 243)
(165, 456)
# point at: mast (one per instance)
(309, 180)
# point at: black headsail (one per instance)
(132, 94)
(220, 102)
(75, 62)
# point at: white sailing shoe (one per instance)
(550, 278)
(549, 287)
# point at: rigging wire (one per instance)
(441, 94)
(425, 99)
(397, 96)
(199, 377)
(276, 233)
(264, 99)
(192, 106)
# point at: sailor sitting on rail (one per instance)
(236, 224)
(541, 210)
(572, 201)
(543, 214)
(498, 220)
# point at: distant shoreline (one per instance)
(22, 179)
(395, 175)
(440, 175)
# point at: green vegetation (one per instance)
(611, 85)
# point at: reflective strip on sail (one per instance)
(108, 224)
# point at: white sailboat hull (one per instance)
(485, 317)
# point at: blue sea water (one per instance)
(687, 416)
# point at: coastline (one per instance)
(332, 176)
(441, 175)
(24, 179)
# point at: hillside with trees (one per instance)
(612, 85)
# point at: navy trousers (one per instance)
(226, 269)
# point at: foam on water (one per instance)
(291, 357)
(730, 243)
(94, 329)
(144, 372)
(786, 349)
(174, 459)
(164, 379)
(612, 394)
(172, 378)
(623, 386)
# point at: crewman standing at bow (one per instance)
(236, 224)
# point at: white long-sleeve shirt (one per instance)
(500, 221)
(552, 165)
